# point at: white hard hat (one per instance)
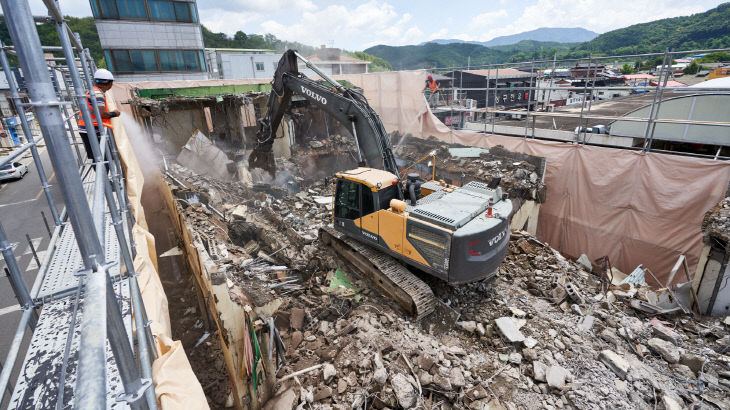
(103, 74)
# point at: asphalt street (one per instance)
(21, 204)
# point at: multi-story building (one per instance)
(149, 40)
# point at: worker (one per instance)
(432, 85)
(433, 88)
(103, 81)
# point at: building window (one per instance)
(171, 60)
(259, 66)
(154, 10)
(137, 61)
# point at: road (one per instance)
(21, 203)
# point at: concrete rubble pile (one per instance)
(717, 220)
(520, 175)
(545, 333)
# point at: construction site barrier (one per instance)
(176, 386)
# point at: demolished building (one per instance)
(546, 330)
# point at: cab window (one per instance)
(368, 204)
(347, 202)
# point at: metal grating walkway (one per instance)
(37, 385)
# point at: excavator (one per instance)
(382, 222)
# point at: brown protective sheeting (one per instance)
(176, 386)
(636, 208)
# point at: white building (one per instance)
(331, 62)
(227, 63)
(151, 40)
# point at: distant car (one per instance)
(13, 170)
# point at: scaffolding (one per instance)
(91, 345)
(532, 108)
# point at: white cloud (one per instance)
(595, 15)
(368, 24)
(258, 6)
(481, 21)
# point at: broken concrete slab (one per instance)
(665, 349)
(404, 391)
(556, 376)
(615, 362)
(509, 329)
(539, 371)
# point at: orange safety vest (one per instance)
(101, 102)
(433, 85)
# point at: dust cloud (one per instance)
(148, 155)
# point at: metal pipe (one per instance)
(320, 73)
(714, 50)
(47, 258)
(68, 117)
(12, 355)
(583, 101)
(660, 91)
(138, 309)
(78, 89)
(15, 274)
(122, 350)
(620, 118)
(530, 94)
(45, 48)
(638, 87)
(653, 103)
(680, 153)
(18, 152)
(55, 12)
(91, 379)
(28, 135)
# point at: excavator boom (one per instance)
(346, 105)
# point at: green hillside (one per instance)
(710, 29)
(707, 30)
(458, 54)
(47, 32)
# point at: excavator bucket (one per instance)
(262, 158)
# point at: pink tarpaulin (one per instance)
(636, 208)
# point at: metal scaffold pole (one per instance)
(12, 85)
(91, 380)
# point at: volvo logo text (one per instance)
(316, 97)
(497, 238)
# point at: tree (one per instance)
(692, 68)
(240, 37)
(627, 69)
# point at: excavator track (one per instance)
(411, 293)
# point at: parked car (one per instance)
(13, 170)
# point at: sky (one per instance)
(357, 25)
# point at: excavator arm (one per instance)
(346, 105)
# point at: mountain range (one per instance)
(706, 30)
(545, 34)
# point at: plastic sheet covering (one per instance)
(636, 208)
(176, 386)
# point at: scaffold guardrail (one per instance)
(85, 302)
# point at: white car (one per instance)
(13, 170)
